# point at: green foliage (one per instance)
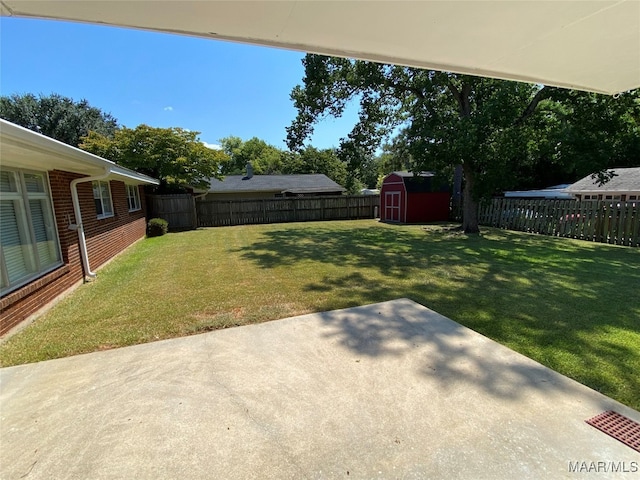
(448, 119)
(264, 158)
(312, 160)
(500, 132)
(597, 131)
(57, 117)
(175, 156)
(157, 227)
(575, 134)
(354, 186)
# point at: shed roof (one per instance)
(24, 148)
(421, 182)
(297, 184)
(624, 180)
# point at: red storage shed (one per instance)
(406, 197)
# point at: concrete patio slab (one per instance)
(392, 390)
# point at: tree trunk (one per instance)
(469, 204)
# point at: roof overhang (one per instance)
(303, 190)
(586, 45)
(543, 193)
(23, 148)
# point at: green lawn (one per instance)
(573, 306)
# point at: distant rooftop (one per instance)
(414, 174)
(295, 184)
(556, 191)
(624, 180)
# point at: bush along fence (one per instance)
(183, 212)
(599, 221)
(178, 210)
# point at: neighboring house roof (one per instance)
(557, 191)
(24, 148)
(296, 184)
(624, 180)
(412, 174)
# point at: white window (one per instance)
(133, 198)
(102, 199)
(28, 236)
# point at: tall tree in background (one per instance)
(269, 160)
(313, 160)
(175, 156)
(598, 131)
(495, 129)
(448, 119)
(264, 158)
(57, 117)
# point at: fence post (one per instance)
(194, 214)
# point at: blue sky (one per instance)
(216, 88)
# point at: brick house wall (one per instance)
(105, 238)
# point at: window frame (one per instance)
(133, 199)
(102, 215)
(25, 225)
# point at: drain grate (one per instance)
(619, 427)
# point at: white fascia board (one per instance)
(34, 150)
(131, 176)
(12, 134)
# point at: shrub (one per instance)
(157, 227)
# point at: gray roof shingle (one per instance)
(625, 180)
(300, 183)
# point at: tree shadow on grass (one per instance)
(569, 305)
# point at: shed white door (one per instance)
(392, 206)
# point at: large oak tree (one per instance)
(494, 130)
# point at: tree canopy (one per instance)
(175, 156)
(496, 130)
(313, 160)
(268, 160)
(57, 117)
(265, 159)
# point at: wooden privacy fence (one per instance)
(599, 221)
(215, 213)
(178, 210)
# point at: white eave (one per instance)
(585, 45)
(23, 148)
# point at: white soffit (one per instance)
(23, 148)
(581, 44)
